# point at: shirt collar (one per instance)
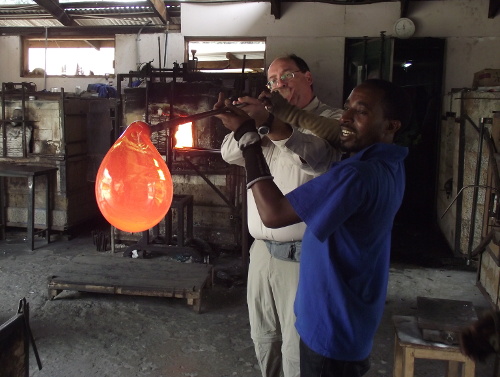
(313, 105)
(384, 151)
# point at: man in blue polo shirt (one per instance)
(349, 213)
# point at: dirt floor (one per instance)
(82, 334)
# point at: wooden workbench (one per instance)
(159, 277)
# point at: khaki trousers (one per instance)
(272, 285)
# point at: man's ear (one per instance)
(309, 77)
(393, 126)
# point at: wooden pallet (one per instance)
(159, 277)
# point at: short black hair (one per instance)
(396, 101)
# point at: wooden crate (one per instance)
(159, 277)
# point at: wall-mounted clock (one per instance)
(404, 28)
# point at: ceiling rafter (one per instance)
(94, 44)
(155, 13)
(276, 8)
(78, 31)
(57, 11)
(160, 10)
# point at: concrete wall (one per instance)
(315, 31)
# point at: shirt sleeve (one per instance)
(230, 151)
(313, 154)
(327, 201)
(326, 125)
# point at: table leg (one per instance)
(469, 369)
(409, 362)
(47, 209)
(180, 224)
(31, 211)
(189, 218)
(453, 368)
(398, 359)
(3, 215)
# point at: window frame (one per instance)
(189, 58)
(28, 42)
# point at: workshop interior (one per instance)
(156, 68)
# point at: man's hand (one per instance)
(234, 117)
(254, 108)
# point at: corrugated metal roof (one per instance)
(88, 14)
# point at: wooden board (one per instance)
(157, 277)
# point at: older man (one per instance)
(274, 255)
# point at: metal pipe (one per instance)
(472, 225)
(165, 47)
(159, 53)
(460, 192)
(190, 118)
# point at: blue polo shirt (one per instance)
(344, 267)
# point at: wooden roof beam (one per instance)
(53, 7)
(70, 31)
(94, 44)
(276, 8)
(160, 10)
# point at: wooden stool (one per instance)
(409, 345)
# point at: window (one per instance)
(92, 56)
(225, 55)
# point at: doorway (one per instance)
(417, 65)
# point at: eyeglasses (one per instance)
(285, 77)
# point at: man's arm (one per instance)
(313, 154)
(274, 209)
(326, 128)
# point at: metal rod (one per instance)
(472, 225)
(190, 118)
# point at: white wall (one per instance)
(314, 31)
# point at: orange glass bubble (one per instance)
(134, 187)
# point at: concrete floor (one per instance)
(88, 334)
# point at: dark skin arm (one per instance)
(274, 209)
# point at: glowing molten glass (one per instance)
(184, 136)
(133, 185)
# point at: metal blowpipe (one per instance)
(190, 118)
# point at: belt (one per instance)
(288, 251)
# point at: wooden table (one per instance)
(409, 345)
(30, 172)
(158, 277)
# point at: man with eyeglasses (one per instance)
(295, 156)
